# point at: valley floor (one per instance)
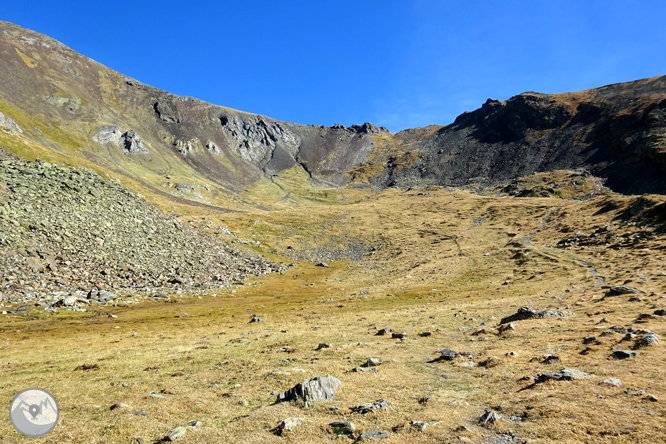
(435, 261)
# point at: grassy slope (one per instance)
(424, 238)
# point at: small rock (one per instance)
(372, 407)
(622, 289)
(174, 434)
(490, 416)
(651, 398)
(140, 413)
(425, 334)
(365, 370)
(118, 406)
(648, 340)
(426, 399)
(613, 381)
(255, 318)
(342, 428)
(383, 332)
(467, 364)
(565, 374)
(448, 355)
(634, 392)
(375, 434)
(589, 339)
(371, 362)
(323, 346)
(624, 354)
(400, 335)
(421, 426)
(286, 425)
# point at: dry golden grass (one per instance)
(432, 265)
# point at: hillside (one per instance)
(61, 106)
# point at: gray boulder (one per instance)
(526, 312)
(622, 289)
(375, 434)
(565, 374)
(314, 390)
(380, 404)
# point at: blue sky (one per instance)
(399, 64)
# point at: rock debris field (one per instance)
(69, 232)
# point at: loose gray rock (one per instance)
(376, 435)
(174, 434)
(421, 426)
(448, 355)
(467, 364)
(613, 381)
(371, 362)
(565, 374)
(624, 354)
(118, 406)
(372, 407)
(622, 289)
(526, 312)
(255, 318)
(648, 340)
(383, 332)
(489, 417)
(365, 370)
(286, 425)
(323, 346)
(652, 398)
(342, 428)
(314, 390)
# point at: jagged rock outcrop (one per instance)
(129, 141)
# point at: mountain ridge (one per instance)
(77, 109)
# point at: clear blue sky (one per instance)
(395, 63)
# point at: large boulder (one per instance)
(314, 390)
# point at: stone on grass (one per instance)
(624, 354)
(489, 417)
(323, 346)
(622, 289)
(342, 428)
(369, 407)
(565, 374)
(365, 370)
(526, 312)
(651, 398)
(448, 355)
(174, 434)
(383, 332)
(375, 434)
(314, 390)
(648, 340)
(119, 405)
(286, 426)
(256, 318)
(467, 364)
(613, 381)
(421, 426)
(371, 362)
(399, 335)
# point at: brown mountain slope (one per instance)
(66, 107)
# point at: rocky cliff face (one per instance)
(614, 132)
